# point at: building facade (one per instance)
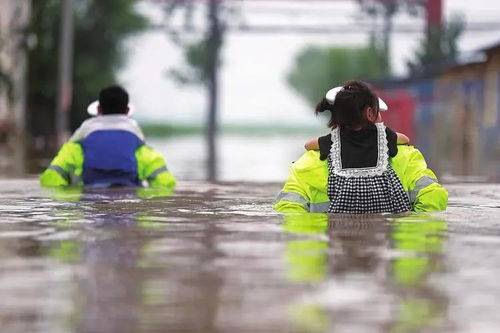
(453, 117)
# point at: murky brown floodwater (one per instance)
(216, 258)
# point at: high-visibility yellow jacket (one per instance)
(67, 167)
(306, 187)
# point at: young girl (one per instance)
(358, 149)
(326, 103)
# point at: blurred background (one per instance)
(226, 88)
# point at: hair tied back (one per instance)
(332, 94)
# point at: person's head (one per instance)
(113, 100)
(355, 106)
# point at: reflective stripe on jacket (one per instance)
(306, 187)
(67, 167)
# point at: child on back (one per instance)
(326, 104)
(358, 149)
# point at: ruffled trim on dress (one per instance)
(382, 159)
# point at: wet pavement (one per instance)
(216, 258)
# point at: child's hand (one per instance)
(402, 139)
(312, 144)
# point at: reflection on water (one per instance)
(216, 258)
(372, 268)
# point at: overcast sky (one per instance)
(253, 76)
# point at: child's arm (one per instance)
(402, 139)
(312, 144)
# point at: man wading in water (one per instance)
(359, 167)
(108, 150)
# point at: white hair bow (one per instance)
(332, 93)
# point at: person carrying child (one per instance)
(108, 150)
(359, 167)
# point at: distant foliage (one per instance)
(382, 12)
(389, 7)
(101, 26)
(317, 69)
(438, 48)
(6, 85)
(196, 69)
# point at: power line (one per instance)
(324, 29)
(261, 1)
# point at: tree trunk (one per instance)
(214, 41)
(65, 71)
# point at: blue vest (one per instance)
(109, 158)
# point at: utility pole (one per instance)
(389, 11)
(65, 71)
(213, 47)
(434, 14)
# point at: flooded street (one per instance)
(268, 156)
(216, 258)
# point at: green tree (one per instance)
(5, 82)
(202, 58)
(196, 70)
(438, 48)
(5, 79)
(381, 35)
(100, 30)
(317, 69)
(439, 45)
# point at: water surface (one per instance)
(216, 258)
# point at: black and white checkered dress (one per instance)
(367, 190)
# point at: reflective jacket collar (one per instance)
(107, 122)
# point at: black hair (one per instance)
(113, 100)
(350, 104)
